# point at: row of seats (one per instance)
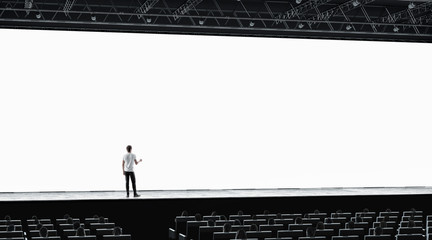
(66, 228)
(386, 225)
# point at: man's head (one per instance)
(129, 148)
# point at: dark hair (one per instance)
(350, 224)
(383, 224)
(80, 232)
(316, 211)
(198, 217)
(298, 220)
(254, 227)
(129, 148)
(271, 221)
(240, 212)
(241, 234)
(43, 232)
(388, 210)
(411, 223)
(365, 210)
(279, 216)
(76, 225)
(214, 213)
(378, 231)
(39, 226)
(310, 232)
(328, 220)
(237, 222)
(358, 219)
(101, 219)
(266, 212)
(117, 231)
(227, 227)
(7, 218)
(210, 223)
(185, 213)
(69, 220)
(66, 216)
(95, 216)
(320, 225)
(34, 217)
(223, 217)
(11, 227)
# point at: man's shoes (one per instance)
(127, 195)
(137, 195)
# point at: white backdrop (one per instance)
(211, 112)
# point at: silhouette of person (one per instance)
(127, 165)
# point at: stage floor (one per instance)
(220, 193)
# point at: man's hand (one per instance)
(123, 172)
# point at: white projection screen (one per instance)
(206, 112)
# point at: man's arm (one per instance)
(123, 167)
(136, 162)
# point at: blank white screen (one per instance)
(211, 112)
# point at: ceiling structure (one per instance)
(377, 20)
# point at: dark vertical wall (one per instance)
(151, 218)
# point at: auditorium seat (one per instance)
(35, 233)
(334, 226)
(17, 228)
(223, 235)
(364, 225)
(13, 221)
(266, 216)
(206, 232)
(386, 231)
(366, 214)
(291, 215)
(47, 238)
(240, 217)
(259, 234)
(117, 237)
(390, 214)
(103, 231)
(214, 218)
(192, 229)
(89, 237)
(312, 221)
(284, 222)
(258, 222)
(340, 220)
(408, 213)
(222, 222)
(283, 238)
(312, 238)
(352, 237)
(350, 232)
(321, 216)
(72, 232)
(390, 218)
(410, 230)
(410, 237)
(180, 223)
(94, 226)
(273, 228)
(416, 218)
(42, 221)
(294, 234)
(327, 233)
(302, 226)
(235, 228)
(12, 234)
(64, 221)
(378, 237)
(87, 221)
(34, 226)
(405, 223)
(346, 215)
(389, 224)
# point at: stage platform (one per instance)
(214, 194)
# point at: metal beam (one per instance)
(185, 8)
(345, 7)
(145, 7)
(405, 14)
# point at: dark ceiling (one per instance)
(377, 20)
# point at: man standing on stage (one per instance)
(128, 161)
